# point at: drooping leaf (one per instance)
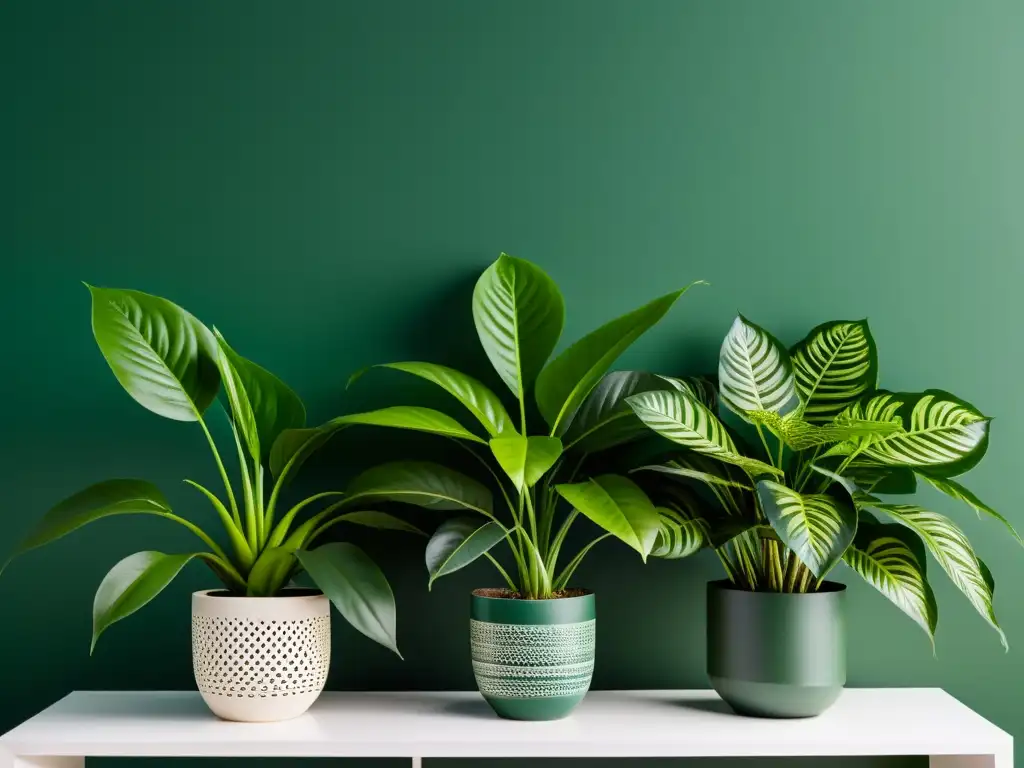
(270, 572)
(568, 379)
(458, 542)
(835, 365)
(356, 587)
(951, 549)
(518, 311)
(679, 535)
(422, 483)
(372, 518)
(162, 356)
(955, 490)
(618, 505)
(605, 419)
(817, 527)
(526, 459)
(130, 584)
(411, 417)
(477, 398)
(891, 559)
(682, 419)
(755, 372)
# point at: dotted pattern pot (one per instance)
(777, 655)
(532, 659)
(260, 659)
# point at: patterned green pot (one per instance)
(532, 659)
(776, 655)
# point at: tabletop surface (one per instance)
(865, 721)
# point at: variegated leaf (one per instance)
(835, 366)
(800, 435)
(755, 372)
(676, 469)
(955, 490)
(678, 534)
(604, 419)
(704, 388)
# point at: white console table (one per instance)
(636, 724)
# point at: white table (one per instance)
(898, 721)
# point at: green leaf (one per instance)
(409, 417)
(703, 388)
(458, 542)
(161, 355)
(480, 401)
(835, 366)
(371, 518)
(356, 587)
(676, 469)
(679, 535)
(518, 311)
(618, 505)
(271, 571)
(682, 419)
(951, 549)
(891, 559)
(297, 445)
(818, 528)
(130, 584)
(526, 459)
(605, 419)
(755, 372)
(955, 490)
(273, 405)
(801, 435)
(422, 483)
(239, 407)
(876, 478)
(568, 379)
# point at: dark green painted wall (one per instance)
(323, 181)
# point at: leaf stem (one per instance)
(502, 571)
(223, 472)
(767, 450)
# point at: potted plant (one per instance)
(261, 647)
(532, 640)
(831, 443)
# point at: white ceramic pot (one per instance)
(260, 659)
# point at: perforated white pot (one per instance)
(260, 659)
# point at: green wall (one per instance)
(324, 180)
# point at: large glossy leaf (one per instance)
(478, 399)
(161, 355)
(271, 571)
(458, 542)
(356, 587)
(755, 372)
(422, 483)
(951, 549)
(941, 433)
(569, 378)
(130, 584)
(273, 405)
(955, 490)
(679, 535)
(682, 419)
(605, 419)
(817, 527)
(372, 518)
(618, 505)
(526, 459)
(891, 559)
(518, 311)
(410, 417)
(835, 366)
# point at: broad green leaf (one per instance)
(676, 469)
(679, 535)
(955, 490)
(942, 433)
(518, 311)
(817, 527)
(801, 435)
(271, 571)
(422, 483)
(409, 417)
(526, 459)
(356, 587)
(891, 559)
(568, 379)
(239, 407)
(605, 419)
(458, 542)
(876, 478)
(161, 355)
(372, 518)
(111, 497)
(755, 372)
(682, 419)
(951, 549)
(619, 506)
(130, 584)
(835, 366)
(273, 404)
(294, 446)
(703, 388)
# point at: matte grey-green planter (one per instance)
(532, 659)
(777, 655)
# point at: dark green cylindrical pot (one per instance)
(777, 655)
(532, 659)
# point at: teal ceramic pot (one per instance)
(532, 659)
(776, 655)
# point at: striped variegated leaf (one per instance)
(891, 559)
(817, 527)
(604, 420)
(704, 388)
(835, 366)
(675, 469)
(679, 535)
(800, 435)
(682, 419)
(951, 549)
(955, 490)
(755, 372)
